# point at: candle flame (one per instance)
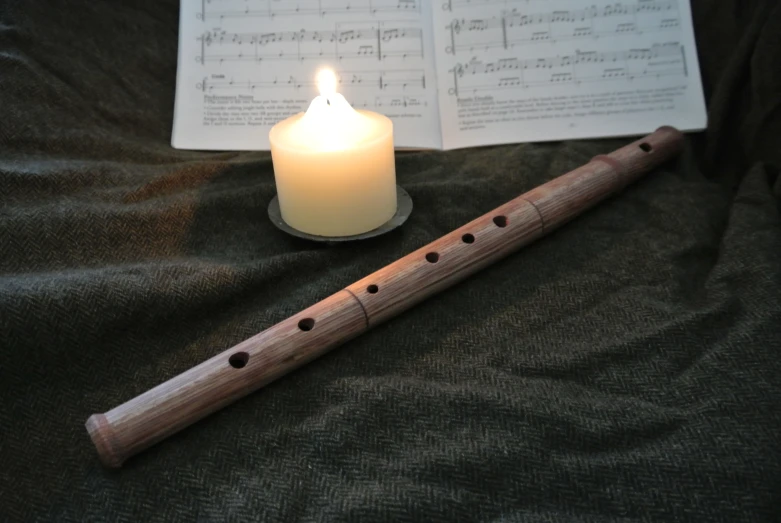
(326, 82)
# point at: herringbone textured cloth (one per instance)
(625, 368)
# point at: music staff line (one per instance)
(450, 5)
(383, 80)
(270, 9)
(392, 102)
(513, 22)
(376, 41)
(564, 69)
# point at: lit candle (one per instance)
(334, 166)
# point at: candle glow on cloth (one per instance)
(334, 166)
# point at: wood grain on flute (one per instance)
(147, 419)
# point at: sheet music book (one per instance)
(449, 73)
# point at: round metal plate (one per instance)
(403, 210)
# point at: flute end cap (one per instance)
(674, 133)
(104, 440)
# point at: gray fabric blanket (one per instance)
(625, 368)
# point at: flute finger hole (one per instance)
(306, 324)
(646, 147)
(372, 289)
(500, 221)
(468, 238)
(238, 360)
(432, 257)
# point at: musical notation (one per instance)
(400, 80)
(399, 102)
(513, 28)
(376, 41)
(451, 5)
(515, 73)
(221, 9)
(388, 104)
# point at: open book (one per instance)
(449, 73)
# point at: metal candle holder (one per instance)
(403, 210)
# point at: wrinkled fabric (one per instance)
(624, 368)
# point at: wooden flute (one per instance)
(171, 406)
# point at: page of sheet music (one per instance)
(245, 65)
(537, 70)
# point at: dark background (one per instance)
(625, 368)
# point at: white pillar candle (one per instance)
(334, 166)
